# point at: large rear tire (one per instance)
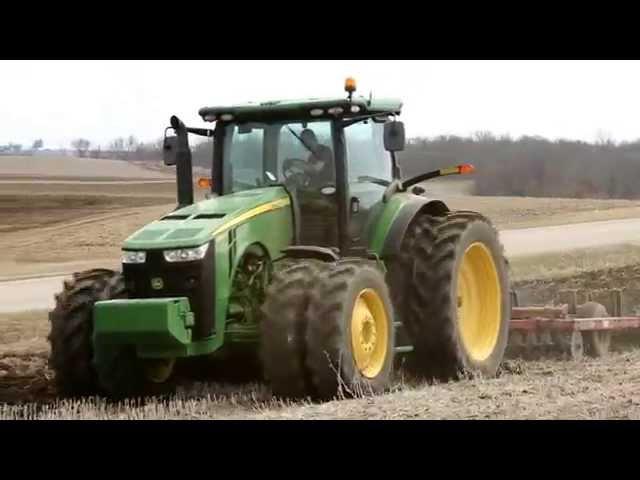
(350, 335)
(463, 307)
(283, 326)
(407, 272)
(71, 320)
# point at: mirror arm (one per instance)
(203, 132)
(395, 168)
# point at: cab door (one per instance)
(367, 163)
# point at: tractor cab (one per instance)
(335, 156)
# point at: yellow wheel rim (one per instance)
(159, 370)
(479, 302)
(369, 333)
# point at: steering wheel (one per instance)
(295, 172)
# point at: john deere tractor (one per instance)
(311, 253)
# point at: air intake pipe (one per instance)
(184, 170)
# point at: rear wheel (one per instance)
(350, 336)
(407, 275)
(465, 308)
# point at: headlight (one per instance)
(186, 254)
(133, 257)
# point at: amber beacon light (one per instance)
(204, 182)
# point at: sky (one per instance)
(100, 100)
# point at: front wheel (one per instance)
(122, 374)
(71, 320)
(350, 334)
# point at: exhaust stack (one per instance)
(184, 170)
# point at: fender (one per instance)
(414, 205)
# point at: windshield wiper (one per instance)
(299, 138)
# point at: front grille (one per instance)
(194, 280)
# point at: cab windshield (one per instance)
(256, 154)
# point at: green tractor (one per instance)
(311, 256)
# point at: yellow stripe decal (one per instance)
(267, 207)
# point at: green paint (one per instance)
(154, 321)
(158, 327)
(385, 221)
(258, 219)
(192, 231)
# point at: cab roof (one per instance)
(301, 109)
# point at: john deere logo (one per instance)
(157, 283)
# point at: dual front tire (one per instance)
(327, 330)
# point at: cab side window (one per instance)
(365, 151)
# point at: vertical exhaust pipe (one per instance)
(184, 170)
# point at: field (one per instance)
(544, 389)
(63, 222)
(57, 223)
(69, 167)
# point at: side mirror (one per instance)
(169, 150)
(394, 136)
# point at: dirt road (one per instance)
(30, 294)
(550, 239)
(37, 293)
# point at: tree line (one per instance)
(526, 166)
(131, 149)
(533, 166)
(17, 148)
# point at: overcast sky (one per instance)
(100, 100)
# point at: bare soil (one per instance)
(525, 212)
(21, 212)
(61, 166)
(545, 389)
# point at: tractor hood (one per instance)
(197, 224)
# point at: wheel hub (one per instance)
(369, 333)
(158, 370)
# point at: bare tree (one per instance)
(81, 145)
(117, 148)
